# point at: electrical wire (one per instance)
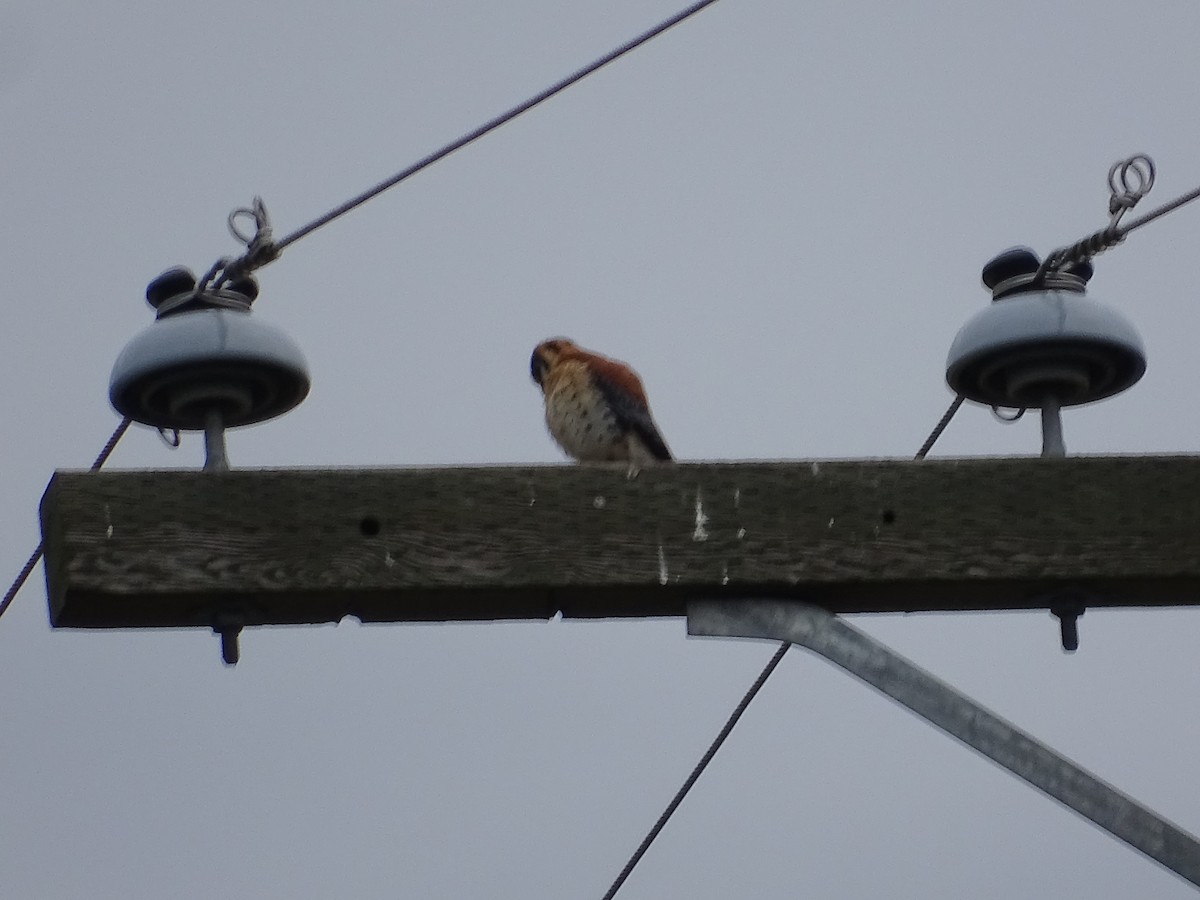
(939, 428)
(1160, 211)
(698, 770)
(36, 555)
(258, 256)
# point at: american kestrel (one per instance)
(596, 408)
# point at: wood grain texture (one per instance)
(171, 548)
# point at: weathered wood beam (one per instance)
(175, 548)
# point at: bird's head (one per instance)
(546, 355)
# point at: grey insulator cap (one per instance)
(1038, 340)
(201, 358)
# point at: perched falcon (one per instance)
(596, 408)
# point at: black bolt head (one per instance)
(171, 283)
(246, 286)
(1012, 262)
(1082, 270)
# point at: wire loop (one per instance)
(1129, 180)
(258, 215)
(1008, 418)
(260, 246)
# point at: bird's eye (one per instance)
(537, 367)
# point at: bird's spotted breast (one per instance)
(578, 417)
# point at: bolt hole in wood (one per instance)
(369, 526)
(889, 516)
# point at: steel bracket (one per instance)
(955, 713)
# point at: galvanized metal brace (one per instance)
(953, 712)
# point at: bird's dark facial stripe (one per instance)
(537, 367)
(544, 356)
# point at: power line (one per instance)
(939, 428)
(260, 255)
(36, 555)
(698, 770)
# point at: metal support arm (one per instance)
(953, 712)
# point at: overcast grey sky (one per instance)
(777, 212)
